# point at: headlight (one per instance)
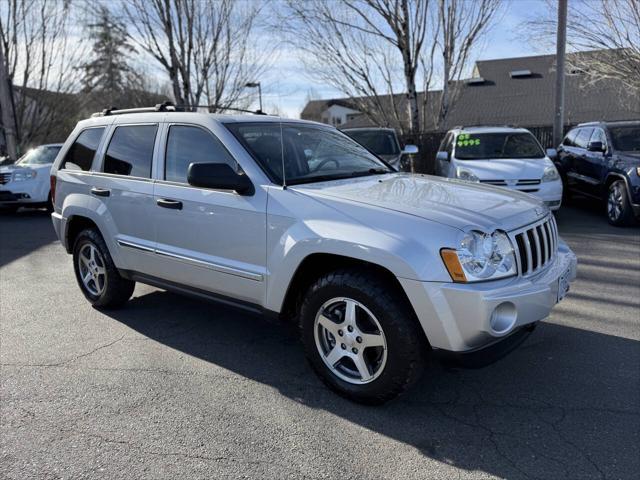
(638, 171)
(468, 175)
(550, 174)
(24, 175)
(481, 256)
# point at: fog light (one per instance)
(503, 318)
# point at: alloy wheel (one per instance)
(615, 202)
(350, 340)
(92, 269)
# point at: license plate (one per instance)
(563, 284)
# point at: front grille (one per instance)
(515, 184)
(5, 178)
(536, 245)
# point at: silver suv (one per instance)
(295, 219)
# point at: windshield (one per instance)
(39, 156)
(309, 154)
(380, 142)
(626, 139)
(485, 146)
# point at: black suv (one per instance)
(602, 160)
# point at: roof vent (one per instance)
(475, 81)
(520, 73)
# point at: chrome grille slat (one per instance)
(538, 249)
(535, 245)
(5, 178)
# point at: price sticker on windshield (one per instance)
(465, 140)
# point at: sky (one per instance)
(286, 86)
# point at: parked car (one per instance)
(602, 160)
(379, 268)
(502, 156)
(384, 143)
(26, 182)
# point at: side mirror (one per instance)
(595, 147)
(410, 150)
(552, 153)
(219, 176)
(442, 156)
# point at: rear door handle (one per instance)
(173, 204)
(101, 192)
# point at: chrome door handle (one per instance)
(172, 204)
(100, 192)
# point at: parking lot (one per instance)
(171, 387)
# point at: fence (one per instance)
(429, 142)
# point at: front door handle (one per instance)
(100, 192)
(173, 204)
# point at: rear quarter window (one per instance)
(81, 153)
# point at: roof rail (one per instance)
(160, 107)
(585, 124)
(484, 125)
(169, 107)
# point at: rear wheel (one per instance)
(619, 212)
(361, 336)
(97, 276)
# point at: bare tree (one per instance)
(38, 63)
(205, 46)
(372, 49)
(609, 25)
(359, 47)
(460, 25)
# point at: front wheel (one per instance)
(619, 212)
(97, 275)
(361, 336)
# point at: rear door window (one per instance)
(80, 155)
(582, 139)
(130, 151)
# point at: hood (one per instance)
(507, 168)
(13, 167)
(450, 202)
(632, 158)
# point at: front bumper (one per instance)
(464, 317)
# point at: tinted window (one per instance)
(582, 139)
(483, 146)
(130, 151)
(626, 138)
(80, 155)
(570, 139)
(599, 136)
(379, 142)
(187, 145)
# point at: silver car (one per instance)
(384, 143)
(294, 219)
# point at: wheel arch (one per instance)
(76, 224)
(315, 265)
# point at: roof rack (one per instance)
(484, 125)
(168, 107)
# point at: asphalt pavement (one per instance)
(171, 387)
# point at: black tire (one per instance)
(116, 289)
(407, 346)
(622, 215)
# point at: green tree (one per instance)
(108, 76)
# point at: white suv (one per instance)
(295, 219)
(502, 156)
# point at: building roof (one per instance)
(521, 91)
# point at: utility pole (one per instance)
(6, 105)
(561, 47)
